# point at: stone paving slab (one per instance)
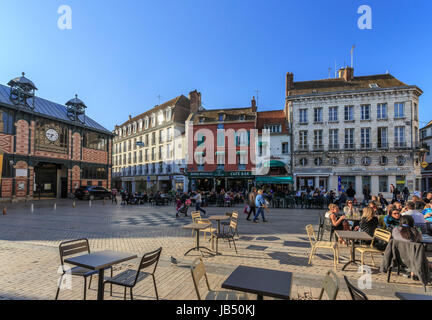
(29, 256)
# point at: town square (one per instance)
(253, 153)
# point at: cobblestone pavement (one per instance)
(29, 257)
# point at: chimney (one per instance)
(253, 105)
(289, 83)
(346, 73)
(130, 117)
(195, 101)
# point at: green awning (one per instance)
(220, 153)
(241, 152)
(275, 180)
(262, 143)
(274, 164)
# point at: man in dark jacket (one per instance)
(350, 193)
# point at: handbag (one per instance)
(246, 209)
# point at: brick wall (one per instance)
(22, 134)
(76, 155)
(94, 156)
(6, 187)
(75, 177)
(6, 143)
(21, 181)
(48, 154)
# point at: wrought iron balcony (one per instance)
(334, 146)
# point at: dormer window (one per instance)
(134, 127)
(124, 131)
(374, 85)
(242, 117)
(146, 123)
(273, 128)
(221, 117)
(129, 129)
(160, 118)
(168, 114)
(153, 120)
(140, 125)
(201, 120)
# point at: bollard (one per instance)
(55, 206)
(89, 203)
(32, 207)
(103, 202)
(73, 204)
(4, 211)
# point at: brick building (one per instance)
(48, 149)
(221, 149)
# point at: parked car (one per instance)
(92, 192)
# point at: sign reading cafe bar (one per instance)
(221, 173)
(48, 149)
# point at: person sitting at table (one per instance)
(338, 221)
(410, 210)
(368, 222)
(349, 209)
(427, 212)
(392, 220)
(406, 231)
(382, 200)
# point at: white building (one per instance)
(149, 152)
(426, 141)
(273, 164)
(355, 131)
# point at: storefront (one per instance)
(276, 183)
(219, 179)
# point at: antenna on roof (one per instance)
(387, 72)
(257, 93)
(329, 70)
(335, 69)
(159, 97)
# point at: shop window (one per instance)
(6, 121)
(96, 141)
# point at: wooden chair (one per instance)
(381, 222)
(321, 244)
(330, 286)
(72, 247)
(129, 278)
(198, 271)
(356, 294)
(380, 234)
(195, 215)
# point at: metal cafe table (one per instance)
(218, 219)
(197, 227)
(262, 282)
(352, 235)
(412, 296)
(100, 261)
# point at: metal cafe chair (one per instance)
(229, 235)
(198, 271)
(356, 294)
(330, 286)
(72, 247)
(129, 278)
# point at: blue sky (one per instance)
(120, 55)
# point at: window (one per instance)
(169, 151)
(160, 153)
(333, 139)
(168, 114)
(129, 145)
(366, 161)
(415, 112)
(349, 113)
(303, 140)
(318, 143)
(153, 120)
(221, 117)
(382, 138)
(96, 173)
(140, 157)
(399, 109)
(140, 125)
(400, 137)
(347, 181)
(134, 127)
(161, 136)
(334, 161)
(333, 114)
(6, 121)
(146, 155)
(349, 138)
(220, 138)
(168, 134)
(94, 140)
(383, 184)
(365, 138)
(350, 161)
(382, 111)
(220, 158)
(365, 112)
(303, 115)
(153, 157)
(318, 161)
(318, 115)
(400, 160)
(146, 123)
(275, 128)
(135, 157)
(303, 162)
(383, 160)
(160, 118)
(285, 149)
(242, 138)
(400, 182)
(153, 138)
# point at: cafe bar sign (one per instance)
(221, 173)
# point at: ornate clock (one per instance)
(52, 135)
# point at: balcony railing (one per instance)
(400, 144)
(366, 146)
(382, 145)
(349, 146)
(318, 147)
(303, 147)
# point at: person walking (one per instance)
(406, 194)
(198, 202)
(251, 199)
(261, 204)
(114, 196)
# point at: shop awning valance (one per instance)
(220, 153)
(241, 152)
(275, 180)
(274, 164)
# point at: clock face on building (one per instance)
(52, 135)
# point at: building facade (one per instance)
(426, 142)
(221, 149)
(48, 149)
(149, 149)
(358, 131)
(273, 164)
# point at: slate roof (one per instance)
(272, 117)
(51, 109)
(212, 116)
(339, 84)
